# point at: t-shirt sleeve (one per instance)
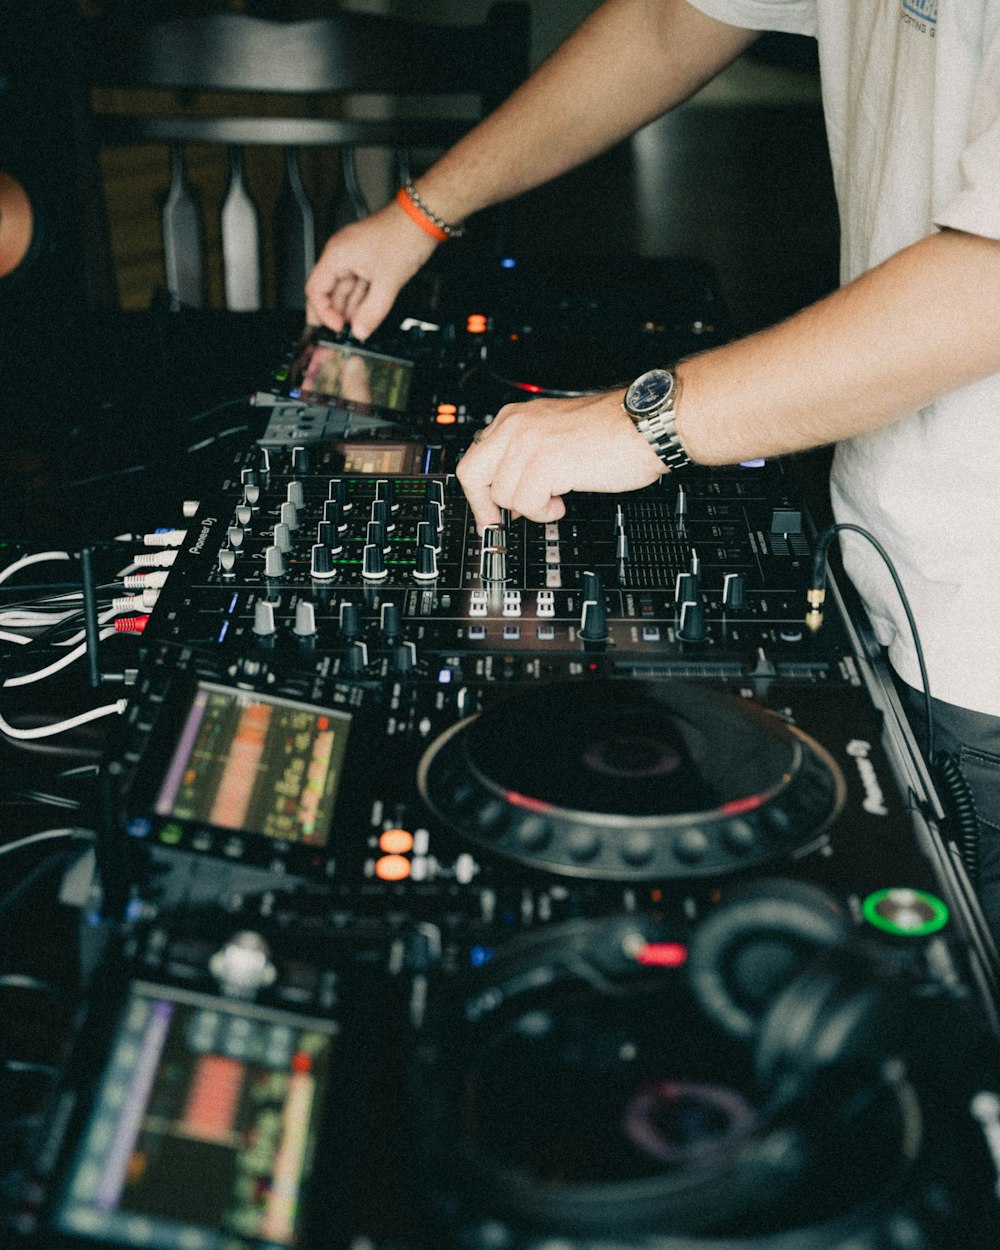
(792, 17)
(975, 207)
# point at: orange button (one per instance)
(392, 868)
(396, 841)
(475, 323)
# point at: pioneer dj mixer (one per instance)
(550, 886)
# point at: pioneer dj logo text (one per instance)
(874, 800)
(202, 538)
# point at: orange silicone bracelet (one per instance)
(417, 215)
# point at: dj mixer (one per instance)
(556, 886)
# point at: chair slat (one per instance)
(183, 241)
(294, 235)
(240, 241)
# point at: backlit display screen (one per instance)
(341, 371)
(247, 762)
(203, 1129)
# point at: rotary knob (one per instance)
(391, 620)
(404, 657)
(373, 566)
(378, 536)
(385, 488)
(321, 563)
(301, 460)
(593, 614)
(289, 516)
(304, 625)
(426, 567)
(350, 620)
(283, 537)
(381, 512)
(274, 562)
(356, 658)
(296, 494)
(427, 536)
(685, 588)
(328, 534)
(263, 619)
(692, 627)
(333, 512)
(338, 493)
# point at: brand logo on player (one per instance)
(874, 800)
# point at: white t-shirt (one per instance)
(911, 95)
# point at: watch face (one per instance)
(649, 393)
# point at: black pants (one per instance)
(973, 739)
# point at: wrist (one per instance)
(424, 216)
(652, 403)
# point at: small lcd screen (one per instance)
(341, 371)
(255, 764)
(203, 1129)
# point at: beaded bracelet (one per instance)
(408, 199)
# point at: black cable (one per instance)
(959, 802)
(817, 593)
(954, 788)
(42, 796)
(37, 874)
(216, 438)
(226, 403)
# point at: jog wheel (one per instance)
(632, 780)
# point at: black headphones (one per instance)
(614, 1083)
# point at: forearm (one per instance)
(925, 322)
(629, 62)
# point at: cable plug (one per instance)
(144, 581)
(164, 538)
(131, 624)
(155, 559)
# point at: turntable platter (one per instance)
(632, 780)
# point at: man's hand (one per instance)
(363, 268)
(534, 453)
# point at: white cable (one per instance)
(47, 835)
(63, 662)
(26, 618)
(46, 731)
(23, 563)
(20, 639)
(102, 619)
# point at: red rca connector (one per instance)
(131, 624)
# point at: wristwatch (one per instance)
(651, 403)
